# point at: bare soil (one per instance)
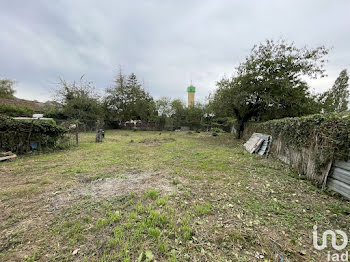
(107, 188)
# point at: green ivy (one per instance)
(328, 135)
(14, 133)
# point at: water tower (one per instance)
(191, 90)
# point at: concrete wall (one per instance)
(303, 160)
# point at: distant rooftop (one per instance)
(21, 102)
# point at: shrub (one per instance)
(14, 134)
(12, 110)
(217, 130)
(224, 123)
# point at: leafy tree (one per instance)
(6, 88)
(79, 100)
(269, 84)
(164, 110)
(127, 100)
(337, 98)
(178, 109)
(174, 113)
(163, 106)
(194, 116)
(54, 110)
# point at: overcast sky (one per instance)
(165, 43)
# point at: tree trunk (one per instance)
(240, 128)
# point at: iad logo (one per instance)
(334, 239)
(335, 256)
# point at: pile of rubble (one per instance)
(258, 144)
(7, 156)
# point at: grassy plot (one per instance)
(170, 196)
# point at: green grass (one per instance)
(203, 209)
(152, 194)
(207, 199)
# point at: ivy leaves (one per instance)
(327, 134)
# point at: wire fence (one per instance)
(80, 125)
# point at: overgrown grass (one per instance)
(208, 200)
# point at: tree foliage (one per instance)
(79, 100)
(127, 100)
(172, 114)
(337, 98)
(12, 110)
(163, 106)
(178, 115)
(269, 83)
(164, 112)
(6, 88)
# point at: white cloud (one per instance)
(165, 43)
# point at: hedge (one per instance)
(327, 134)
(12, 110)
(15, 134)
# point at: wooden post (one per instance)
(76, 134)
(98, 133)
(326, 173)
(29, 135)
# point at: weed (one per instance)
(176, 181)
(203, 209)
(162, 201)
(154, 232)
(163, 247)
(87, 219)
(185, 229)
(74, 233)
(172, 256)
(33, 258)
(139, 208)
(101, 222)
(157, 219)
(133, 215)
(118, 235)
(152, 194)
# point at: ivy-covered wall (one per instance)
(15, 135)
(309, 144)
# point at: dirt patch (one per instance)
(157, 141)
(112, 187)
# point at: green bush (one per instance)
(12, 110)
(14, 133)
(217, 130)
(224, 123)
(327, 134)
